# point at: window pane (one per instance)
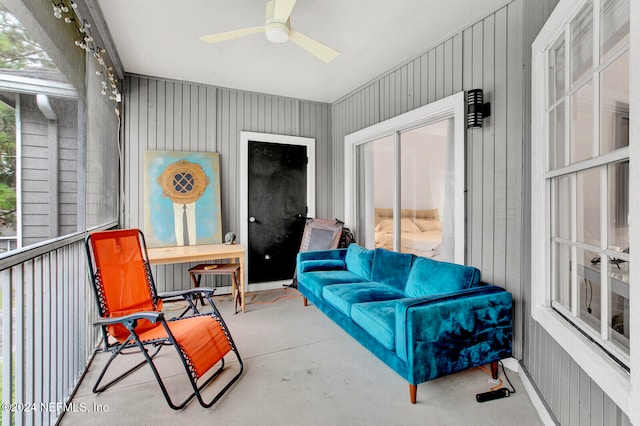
(562, 265)
(556, 137)
(374, 182)
(614, 105)
(588, 207)
(618, 228)
(582, 123)
(8, 195)
(619, 297)
(562, 207)
(589, 288)
(614, 25)
(102, 155)
(423, 168)
(582, 43)
(39, 194)
(556, 71)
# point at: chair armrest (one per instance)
(150, 316)
(452, 332)
(186, 293)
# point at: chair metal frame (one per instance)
(149, 349)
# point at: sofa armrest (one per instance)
(321, 260)
(335, 254)
(442, 334)
(321, 265)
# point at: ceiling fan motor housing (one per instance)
(277, 32)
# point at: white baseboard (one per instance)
(272, 285)
(514, 365)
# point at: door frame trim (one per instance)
(245, 137)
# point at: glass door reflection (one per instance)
(402, 180)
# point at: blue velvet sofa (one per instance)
(423, 318)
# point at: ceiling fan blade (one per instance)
(215, 38)
(282, 10)
(320, 50)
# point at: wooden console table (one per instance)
(201, 253)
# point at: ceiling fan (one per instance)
(277, 28)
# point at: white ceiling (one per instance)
(160, 38)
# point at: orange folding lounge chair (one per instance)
(132, 320)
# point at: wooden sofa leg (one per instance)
(305, 301)
(413, 390)
(494, 370)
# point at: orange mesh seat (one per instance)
(131, 315)
(202, 350)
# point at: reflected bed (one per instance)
(421, 231)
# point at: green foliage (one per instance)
(7, 166)
(17, 49)
(7, 145)
(7, 206)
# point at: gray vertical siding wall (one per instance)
(495, 55)
(178, 116)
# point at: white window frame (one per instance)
(621, 386)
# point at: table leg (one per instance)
(241, 282)
(234, 290)
(235, 294)
(196, 284)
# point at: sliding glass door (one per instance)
(406, 169)
(425, 159)
(375, 176)
(405, 183)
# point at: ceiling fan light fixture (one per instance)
(277, 29)
(277, 32)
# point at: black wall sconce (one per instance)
(477, 110)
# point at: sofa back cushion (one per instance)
(429, 277)
(359, 260)
(391, 268)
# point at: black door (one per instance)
(277, 207)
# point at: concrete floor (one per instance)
(299, 369)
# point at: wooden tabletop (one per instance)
(197, 253)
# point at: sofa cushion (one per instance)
(343, 296)
(428, 277)
(359, 260)
(321, 265)
(315, 281)
(391, 268)
(378, 319)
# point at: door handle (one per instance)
(252, 219)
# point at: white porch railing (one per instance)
(46, 336)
